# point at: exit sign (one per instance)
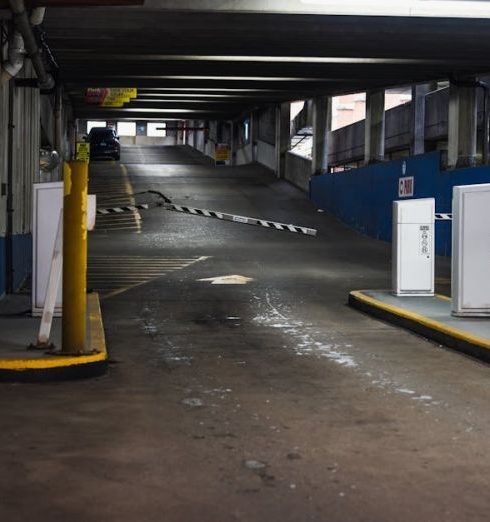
(406, 187)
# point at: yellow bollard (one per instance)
(75, 258)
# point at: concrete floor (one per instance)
(271, 401)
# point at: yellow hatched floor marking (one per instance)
(115, 191)
(114, 275)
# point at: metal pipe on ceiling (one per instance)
(23, 25)
(16, 54)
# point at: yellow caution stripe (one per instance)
(431, 324)
(97, 346)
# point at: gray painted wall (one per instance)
(298, 171)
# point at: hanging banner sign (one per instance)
(114, 97)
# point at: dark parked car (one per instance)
(104, 143)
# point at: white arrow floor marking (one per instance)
(228, 280)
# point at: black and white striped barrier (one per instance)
(211, 214)
(444, 217)
(123, 210)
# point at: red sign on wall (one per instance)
(406, 187)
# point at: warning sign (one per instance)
(83, 151)
(222, 154)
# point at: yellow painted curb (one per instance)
(97, 345)
(420, 319)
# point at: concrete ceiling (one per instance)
(189, 61)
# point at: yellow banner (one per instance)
(117, 97)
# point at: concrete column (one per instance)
(82, 126)
(283, 130)
(58, 121)
(419, 93)
(180, 133)
(374, 147)
(233, 141)
(194, 133)
(254, 135)
(322, 125)
(462, 126)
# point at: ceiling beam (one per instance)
(4, 4)
(117, 114)
(400, 8)
(312, 72)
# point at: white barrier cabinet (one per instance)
(413, 247)
(471, 251)
(47, 205)
(48, 202)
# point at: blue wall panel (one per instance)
(363, 197)
(22, 246)
(2, 266)
(22, 252)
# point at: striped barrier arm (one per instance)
(123, 210)
(444, 217)
(212, 214)
(242, 219)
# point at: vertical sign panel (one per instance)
(47, 204)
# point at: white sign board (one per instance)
(47, 204)
(406, 187)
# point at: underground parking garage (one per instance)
(242, 265)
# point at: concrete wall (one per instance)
(147, 140)
(363, 198)
(267, 126)
(201, 137)
(244, 155)
(298, 171)
(347, 144)
(209, 149)
(266, 155)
